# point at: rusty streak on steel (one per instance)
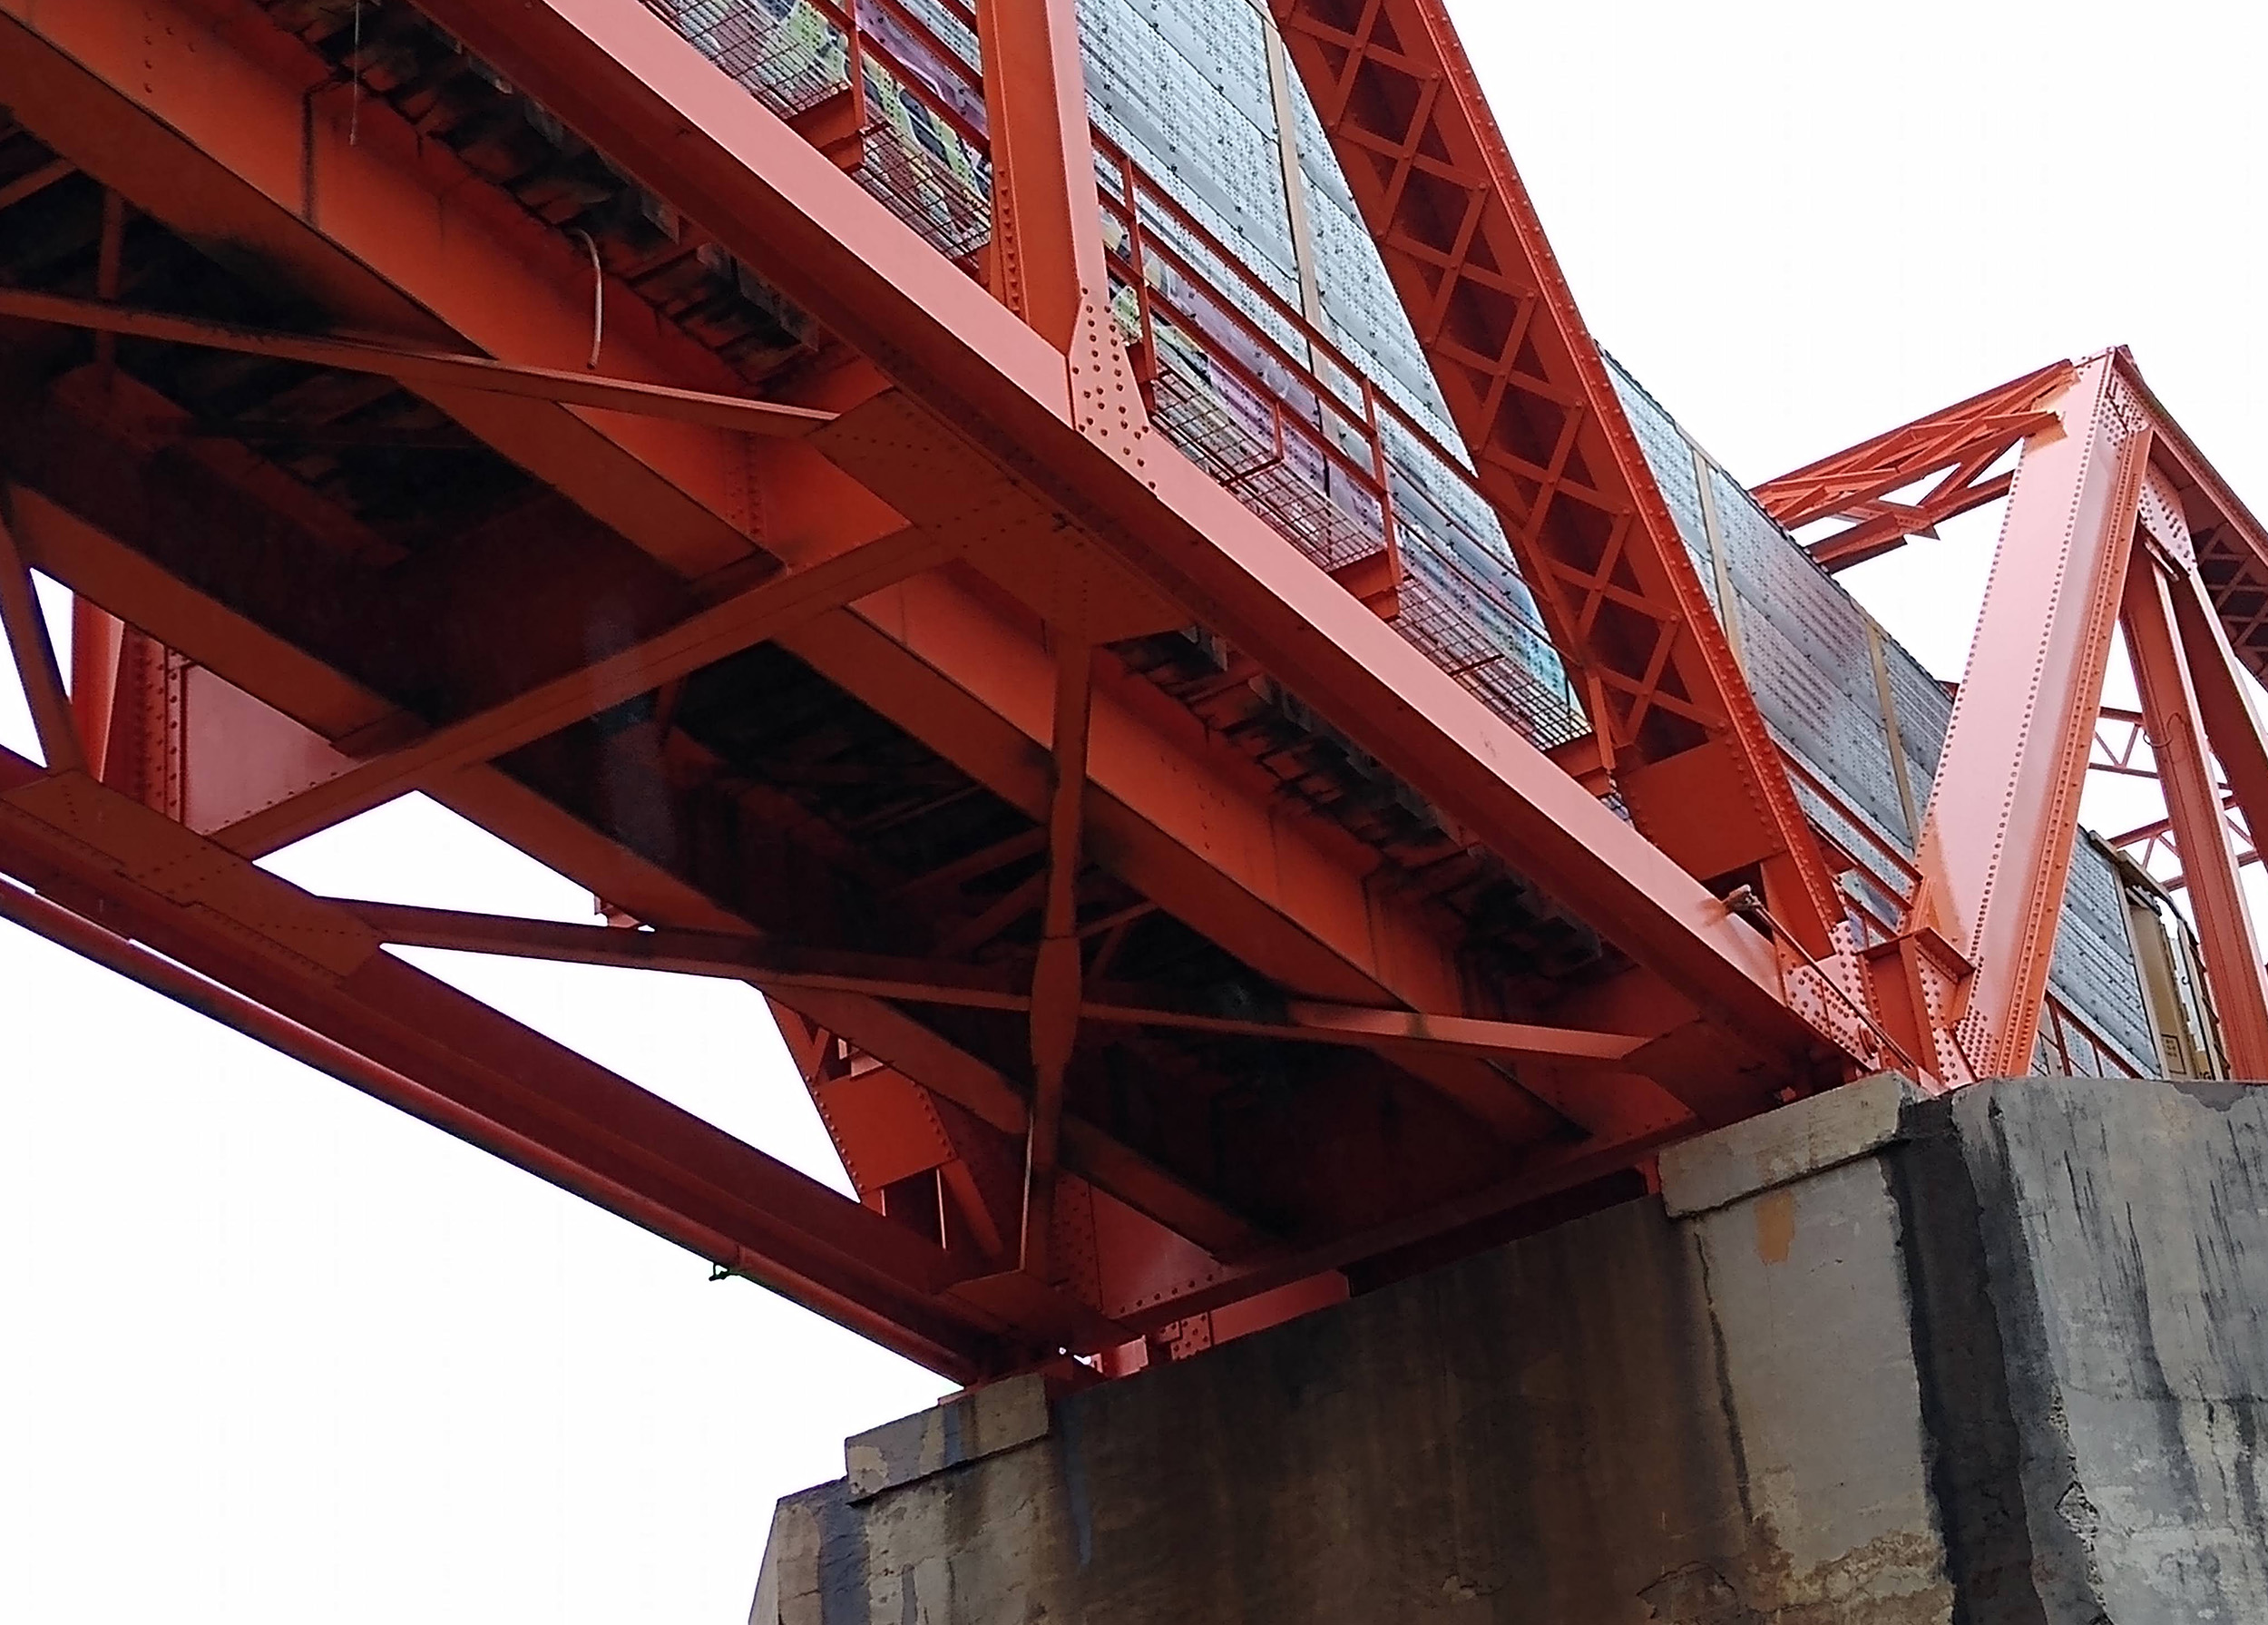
(424, 369)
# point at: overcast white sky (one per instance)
(272, 1353)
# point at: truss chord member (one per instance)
(2129, 553)
(247, 947)
(1553, 448)
(1057, 971)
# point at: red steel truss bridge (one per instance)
(907, 577)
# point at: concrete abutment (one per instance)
(1992, 1359)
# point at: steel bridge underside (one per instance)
(1167, 944)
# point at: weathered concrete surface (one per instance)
(2125, 1231)
(1993, 1361)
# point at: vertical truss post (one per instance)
(1996, 839)
(1047, 228)
(2173, 719)
(97, 645)
(1056, 976)
(98, 641)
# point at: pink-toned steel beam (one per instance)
(1996, 843)
(1047, 228)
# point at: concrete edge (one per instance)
(1791, 1143)
(997, 1418)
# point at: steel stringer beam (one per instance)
(1550, 444)
(999, 393)
(478, 1073)
(1996, 842)
(1957, 444)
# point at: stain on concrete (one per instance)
(2008, 1368)
(1775, 1226)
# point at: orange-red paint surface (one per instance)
(502, 402)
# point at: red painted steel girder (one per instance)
(975, 501)
(300, 972)
(2172, 714)
(1529, 393)
(616, 74)
(661, 486)
(2106, 496)
(1996, 843)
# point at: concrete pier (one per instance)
(1996, 1359)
